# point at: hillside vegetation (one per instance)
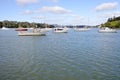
(16, 24)
(112, 22)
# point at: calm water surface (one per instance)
(66, 56)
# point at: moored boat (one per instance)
(45, 29)
(61, 30)
(107, 30)
(81, 28)
(25, 33)
(21, 29)
(35, 32)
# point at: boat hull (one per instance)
(107, 30)
(31, 34)
(21, 29)
(111, 31)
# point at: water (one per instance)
(65, 56)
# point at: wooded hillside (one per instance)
(112, 22)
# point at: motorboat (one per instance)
(107, 30)
(21, 29)
(25, 33)
(29, 33)
(61, 30)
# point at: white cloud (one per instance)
(53, 0)
(106, 6)
(105, 15)
(55, 10)
(27, 12)
(73, 19)
(76, 16)
(26, 2)
(38, 17)
(117, 13)
(60, 19)
(109, 15)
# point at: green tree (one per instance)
(5, 23)
(0, 24)
(13, 24)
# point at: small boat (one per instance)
(21, 29)
(81, 28)
(34, 33)
(45, 29)
(61, 30)
(107, 30)
(4, 28)
(25, 33)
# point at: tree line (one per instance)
(16, 24)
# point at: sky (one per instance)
(62, 12)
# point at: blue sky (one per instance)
(66, 12)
